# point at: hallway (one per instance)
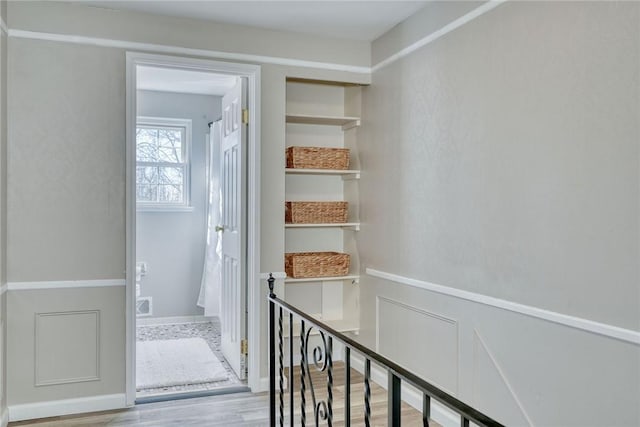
(242, 409)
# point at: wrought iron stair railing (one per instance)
(323, 409)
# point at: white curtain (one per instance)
(209, 297)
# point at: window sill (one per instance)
(164, 209)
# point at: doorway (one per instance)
(189, 315)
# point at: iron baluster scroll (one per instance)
(322, 361)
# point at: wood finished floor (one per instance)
(410, 416)
(243, 409)
(240, 409)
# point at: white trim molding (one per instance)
(263, 385)
(252, 73)
(599, 328)
(453, 25)
(253, 58)
(177, 50)
(4, 288)
(4, 417)
(63, 284)
(94, 376)
(3, 26)
(54, 408)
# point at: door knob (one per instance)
(219, 228)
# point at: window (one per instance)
(162, 163)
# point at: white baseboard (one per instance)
(4, 418)
(413, 397)
(263, 385)
(152, 321)
(54, 408)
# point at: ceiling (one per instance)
(357, 20)
(183, 81)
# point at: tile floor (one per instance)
(209, 331)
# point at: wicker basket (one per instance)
(317, 158)
(315, 212)
(316, 264)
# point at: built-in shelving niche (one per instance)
(325, 114)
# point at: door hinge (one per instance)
(245, 116)
(244, 347)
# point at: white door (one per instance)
(233, 228)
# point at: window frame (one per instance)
(185, 206)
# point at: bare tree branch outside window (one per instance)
(161, 166)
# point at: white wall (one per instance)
(172, 244)
(502, 159)
(67, 148)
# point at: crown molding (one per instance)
(430, 38)
(177, 50)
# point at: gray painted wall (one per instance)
(67, 162)
(3, 212)
(503, 159)
(71, 188)
(66, 215)
(173, 243)
(95, 142)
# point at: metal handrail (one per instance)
(396, 372)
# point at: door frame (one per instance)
(252, 73)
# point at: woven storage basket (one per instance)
(315, 212)
(317, 158)
(316, 264)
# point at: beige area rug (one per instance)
(166, 363)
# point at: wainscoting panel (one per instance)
(63, 345)
(432, 355)
(67, 347)
(520, 369)
(488, 375)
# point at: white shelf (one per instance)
(355, 226)
(346, 122)
(345, 173)
(334, 297)
(353, 277)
